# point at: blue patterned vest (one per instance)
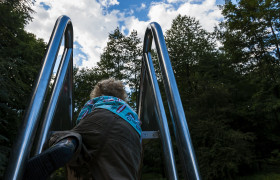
(114, 105)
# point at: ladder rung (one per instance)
(150, 134)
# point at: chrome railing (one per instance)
(183, 139)
(160, 117)
(62, 87)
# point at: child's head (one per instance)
(109, 87)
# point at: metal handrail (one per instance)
(162, 121)
(183, 139)
(22, 146)
(147, 67)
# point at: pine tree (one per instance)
(113, 59)
(121, 59)
(201, 74)
(133, 55)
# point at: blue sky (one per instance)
(93, 20)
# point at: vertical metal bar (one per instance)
(182, 135)
(140, 95)
(162, 121)
(27, 132)
(54, 99)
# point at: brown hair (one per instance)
(109, 87)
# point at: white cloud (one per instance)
(206, 12)
(92, 24)
(108, 3)
(174, 1)
(143, 6)
(133, 23)
(163, 14)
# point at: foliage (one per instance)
(133, 55)
(20, 58)
(152, 160)
(206, 97)
(250, 35)
(121, 59)
(257, 23)
(113, 58)
(230, 93)
(261, 176)
(84, 82)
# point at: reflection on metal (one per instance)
(184, 144)
(27, 132)
(150, 135)
(151, 107)
(67, 55)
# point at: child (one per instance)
(105, 143)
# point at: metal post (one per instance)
(54, 99)
(185, 148)
(27, 132)
(162, 121)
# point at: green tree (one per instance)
(258, 23)
(20, 59)
(113, 59)
(250, 35)
(121, 59)
(84, 82)
(133, 55)
(201, 74)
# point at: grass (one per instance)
(261, 176)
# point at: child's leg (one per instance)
(44, 164)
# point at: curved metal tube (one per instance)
(54, 99)
(185, 148)
(162, 121)
(27, 132)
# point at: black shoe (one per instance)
(43, 165)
